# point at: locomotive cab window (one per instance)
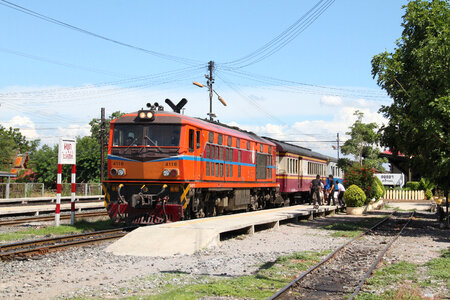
(191, 140)
(153, 135)
(198, 139)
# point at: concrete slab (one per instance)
(12, 210)
(186, 237)
(410, 205)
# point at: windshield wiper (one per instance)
(151, 141)
(131, 144)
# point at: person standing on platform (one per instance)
(331, 188)
(315, 187)
(341, 190)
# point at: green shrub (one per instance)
(354, 196)
(378, 191)
(361, 176)
(428, 194)
(413, 185)
(378, 181)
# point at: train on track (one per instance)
(164, 166)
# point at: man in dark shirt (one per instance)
(331, 190)
(315, 188)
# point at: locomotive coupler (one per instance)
(143, 199)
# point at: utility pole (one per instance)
(209, 84)
(102, 143)
(338, 145)
(210, 88)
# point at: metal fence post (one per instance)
(42, 189)
(86, 189)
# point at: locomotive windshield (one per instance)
(147, 135)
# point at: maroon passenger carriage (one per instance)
(296, 168)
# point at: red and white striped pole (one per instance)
(72, 198)
(58, 195)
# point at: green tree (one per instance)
(88, 159)
(44, 163)
(416, 77)
(363, 144)
(11, 143)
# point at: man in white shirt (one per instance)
(341, 189)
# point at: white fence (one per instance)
(404, 195)
(29, 190)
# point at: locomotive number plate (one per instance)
(171, 164)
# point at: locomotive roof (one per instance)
(165, 117)
(290, 148)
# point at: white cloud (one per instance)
(25, 125)
(331, 100)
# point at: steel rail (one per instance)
(49, 218)
(378, 260)
(43, 246)
(326, 259)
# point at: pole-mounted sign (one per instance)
(67, 151)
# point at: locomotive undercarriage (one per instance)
(213, 202)
(157, 203)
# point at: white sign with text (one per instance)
(67, 151)
(391, 179)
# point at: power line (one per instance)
(27, 11)
(283, 38)
(64, 64)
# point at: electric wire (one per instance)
(64, 64)
(282, 39)
(27, 11)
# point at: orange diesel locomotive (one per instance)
(165, 166)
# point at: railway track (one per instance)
(343, 272)
(50, 218)
(26, 249)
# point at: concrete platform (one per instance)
(186, 237)
(411, 205)
(36, 209)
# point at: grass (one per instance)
(439, 268)
(265, 282)
(79, 227)
(402, 280)
(351, 229)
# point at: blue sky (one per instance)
(71, 75)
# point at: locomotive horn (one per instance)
(176, 108)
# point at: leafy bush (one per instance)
(380, 184)
(354, 196)
(428, 194)
(363, 178)
(426, 184)
(378, 191)
(413, 185)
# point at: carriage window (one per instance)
(261, 146)
(230, 139)
(207, 169)
(211, 137)
(248, 145)
(207, 151)
(220, 139)
(238, 143)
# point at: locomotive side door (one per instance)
(195, 149)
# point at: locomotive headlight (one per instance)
(173, 172)
(166, 172)
(113, 172)
(121, 172)
(142, 115)
(149, 115)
